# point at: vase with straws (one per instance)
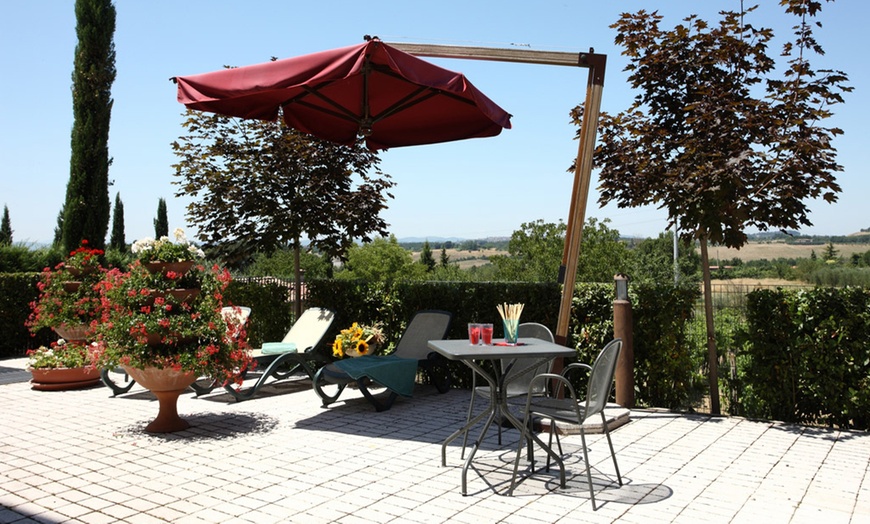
(510, 316)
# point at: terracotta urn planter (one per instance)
(166, 384)
(167, 267)
(62, 379)
(72, 333)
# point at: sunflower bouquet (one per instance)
(358, 340)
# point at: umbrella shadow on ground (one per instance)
(208, 426)
(497, 472)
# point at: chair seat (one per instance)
(563, 410)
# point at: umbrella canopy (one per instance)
(371, 90)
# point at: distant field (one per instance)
(774, 250)
(751, 251)
(465, 259)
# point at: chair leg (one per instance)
(379, 406)
(550, 442)
(612, 453)
(319, 382)
(588, 467)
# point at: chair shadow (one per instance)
(283, 387)
(497, 471)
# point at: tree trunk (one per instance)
(297, 285)
(712, 357)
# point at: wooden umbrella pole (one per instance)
(596, 63)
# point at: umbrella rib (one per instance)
(342, 112)
(410, 100)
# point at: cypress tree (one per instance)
(6, 229)
(426, 257)
(161, 223)
(58, 230)
(86, 209)
(117, 240)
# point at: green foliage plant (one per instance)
(61, 354)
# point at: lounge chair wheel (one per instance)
(112, 379)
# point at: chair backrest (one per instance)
(426, 325)
(309, 328)
(601, 378)
(520, 386)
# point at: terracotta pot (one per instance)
(72, 333)
(71, 286)
(165, 267)
(166, 384)
(76, 272)
(59, 379)
(180, 295)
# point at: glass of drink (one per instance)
(486, 334)
(474, 334)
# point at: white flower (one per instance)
(179, 236)
(195, 251)
(143, 244)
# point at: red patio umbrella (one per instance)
(371, 90)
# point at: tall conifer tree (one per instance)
(161, 223)
(117, 240)
(6, 228)
(86, 209)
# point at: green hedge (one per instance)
(271, 311)
(17, 291)
(663, 365)
(664, 370)
(806, 357)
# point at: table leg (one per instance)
(526, 433)
(453, 436)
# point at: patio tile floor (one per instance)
(82, 456)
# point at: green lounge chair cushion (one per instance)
(393, 372)
(276, 348)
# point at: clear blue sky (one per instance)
(469, 189)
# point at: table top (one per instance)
(532, 347)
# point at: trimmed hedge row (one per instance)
(664, 371)
(806, 357)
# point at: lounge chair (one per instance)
(296, 351)
(397, 371)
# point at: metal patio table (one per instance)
(531, 348)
